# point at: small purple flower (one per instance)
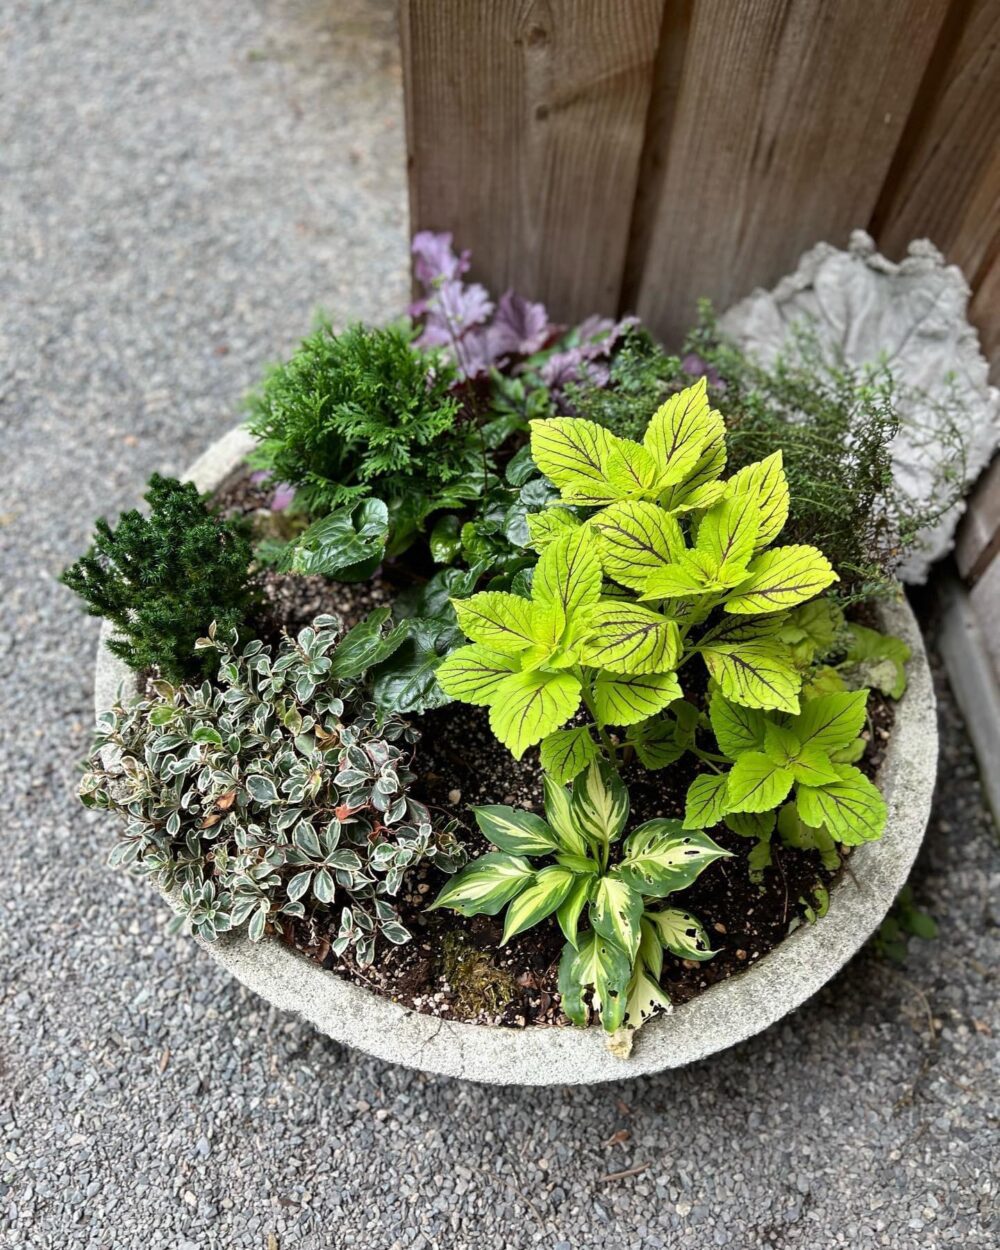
(260, 475)
(283, 496)
(697, 367)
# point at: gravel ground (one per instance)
(182, 184)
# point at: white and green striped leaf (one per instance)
(599, 804)
(682, 934)
(515, 830)
(627, 638)
(485, 886)
(707, 801)
(615, 912)
(540, 898)
(567, 752)
(473, 673)
(634, 539)
(627, 700)
(561, 816)
(782, 578)
(662, 857)
(527, 707)
(603, 967)
(646, 996)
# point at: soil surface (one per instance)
(455, 967)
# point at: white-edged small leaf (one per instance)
(538, 899)
(615, 912)
(707, 801)
(567, 752)
(486, 885)
(662, 857)
(516, 831)
(682, 934)
(261, 789)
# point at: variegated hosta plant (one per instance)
(277, 793)
(608, 896)
(650, 560)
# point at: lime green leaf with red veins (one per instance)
(573, 454)
(736, 728)
(473, 673)
(545, 527)
(567, 752)
(526, 707)
(707, 801)
(627, 700)
(764, 483)
(635, 539)
(726, 535)
(756, 674)
(677, 434)
(757, 784)
(627, 638)
(501, 621)
(852, 809)
(567, 581)
(832, 721)
(782, 578)
(700, 489)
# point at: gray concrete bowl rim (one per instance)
(726, 1014)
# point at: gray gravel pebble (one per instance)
(182, 184)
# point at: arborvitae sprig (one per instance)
(364, 413)
(163, 579)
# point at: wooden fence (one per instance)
(636, 155)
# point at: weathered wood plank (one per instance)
(525, 122)
(978, 543)
(944, 183)
(787, 120)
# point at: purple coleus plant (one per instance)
(477, 335)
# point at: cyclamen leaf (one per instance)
(567, 752)
(682, 934)
(348, 543)
(573, 454)
(627, 638)
(782, 578)
(833, 721)
(677, 433)
(707, 801)
(626, 700)
(755, 674)
(485, 886)
(545, 527)
(366, 645)
(765, 485)
(736, 728)
(505, 622)
(852, 809)
(634, 539)
(755, 784)
(567, 578)
(615, 912)
(661, 857)
(537, 900)
(528, 706)
(600, 803)
(515, 831)
(473, 673)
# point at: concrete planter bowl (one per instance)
(727, 1013)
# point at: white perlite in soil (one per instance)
(914, 316)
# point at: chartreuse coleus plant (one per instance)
(609, 896)
(649, 559)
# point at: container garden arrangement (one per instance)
(519, 702)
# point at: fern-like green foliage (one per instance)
(365, 414)
(163, 579)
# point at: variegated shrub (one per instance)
(609, 897)
(273, 794)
